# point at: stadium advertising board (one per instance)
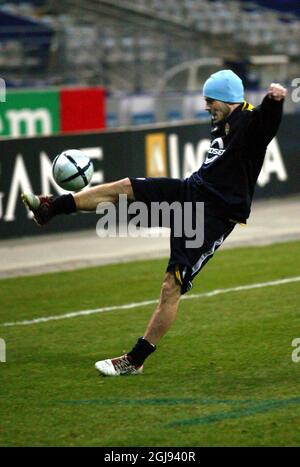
(29, 113)
(41, 112)
(174, 151)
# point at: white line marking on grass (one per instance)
(129, 306)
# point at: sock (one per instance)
(64, 204)
(141, 351)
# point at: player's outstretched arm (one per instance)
(267, 116)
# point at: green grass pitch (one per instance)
(222, 376)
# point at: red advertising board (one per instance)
(82, 109)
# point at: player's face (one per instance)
(218, 110)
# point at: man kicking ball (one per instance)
(225, 183)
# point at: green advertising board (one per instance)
(30, 113)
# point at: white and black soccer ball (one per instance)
(72, 170)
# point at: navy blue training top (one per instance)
(228, 175)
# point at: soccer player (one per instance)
(225, 183)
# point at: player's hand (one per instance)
(277, 92)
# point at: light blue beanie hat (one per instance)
(224, 86)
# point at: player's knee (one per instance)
(170, 287)
(126, 188)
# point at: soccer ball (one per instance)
(72, 170)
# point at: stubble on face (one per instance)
(219, 110)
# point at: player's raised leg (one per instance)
(87, 200)
(161, 320)
(46, 207)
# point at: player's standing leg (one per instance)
(161, 320)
